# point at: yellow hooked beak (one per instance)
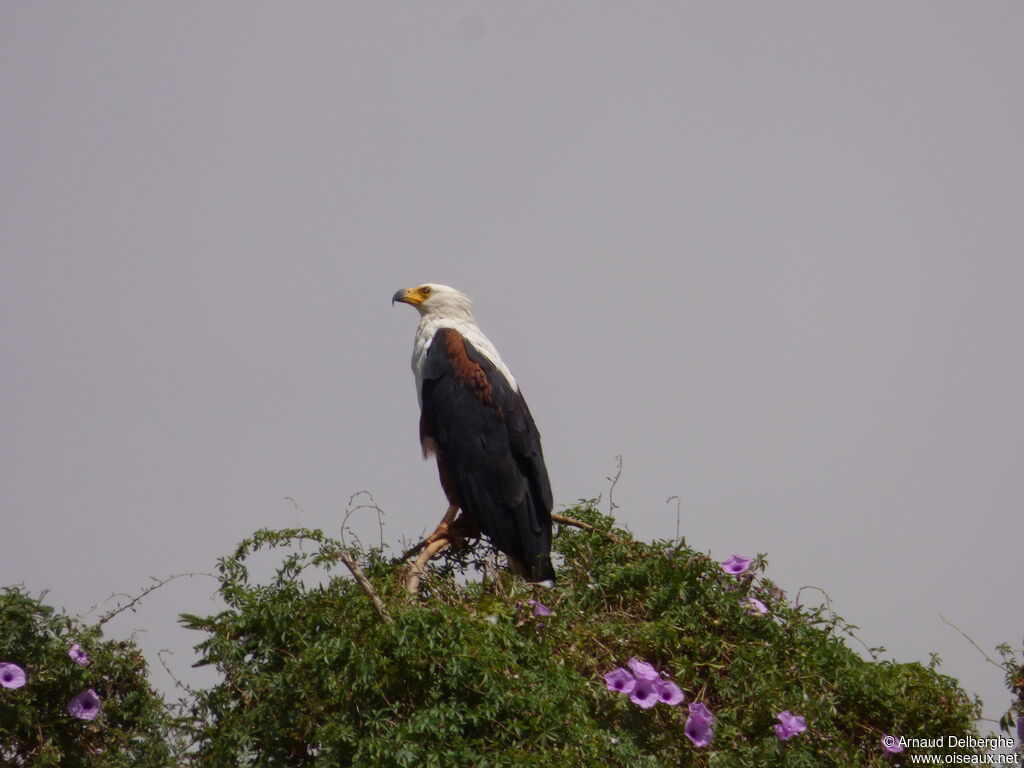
(413, 296)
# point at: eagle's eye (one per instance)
(425, 290)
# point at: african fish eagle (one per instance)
(475, 422)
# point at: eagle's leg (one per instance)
(444, 528)
(417, 567)
(449, 533)
(449, 530)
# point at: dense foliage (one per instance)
(472, 673)
(48, 717)
(480, 669)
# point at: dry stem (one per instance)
(363, 582)
(563, 520)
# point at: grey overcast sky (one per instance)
(770, 253)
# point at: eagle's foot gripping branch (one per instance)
(449, 533)
(444, 528)
(432, 549)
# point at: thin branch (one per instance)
(563, 520)
(360, 577)
(846, 628)
(97, 606)
(411, 551)
(178, 683)
(491, 571)
(680, 540)
(971, 641)
(130, 605)
(612, 506)
(371, 504)
(828, 600)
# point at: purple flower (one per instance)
(754, 606)
(11, 675)
(78, 655)
(619, 680)
(670, 693)
(645, 692)
(736, 564)
(539, 609)
(644, 684)
(85, 706)
(642, 669)
(891, 744)
(789, 725)
(698, 725)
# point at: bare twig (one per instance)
(363, 582)
(680, 540)
(846, 628)
(971, 641)
(177, 682)
(491, 571)
(563, 520)
(411, 551)
(612, 506)
(371, 504)
(828, 600)
(130, 605)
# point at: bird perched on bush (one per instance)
(475, 422)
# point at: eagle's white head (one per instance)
(435, 300)
(441, 306)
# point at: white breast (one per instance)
(470, 331)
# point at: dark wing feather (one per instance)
(490, 450)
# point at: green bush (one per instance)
(466, 674)
(36, 727)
